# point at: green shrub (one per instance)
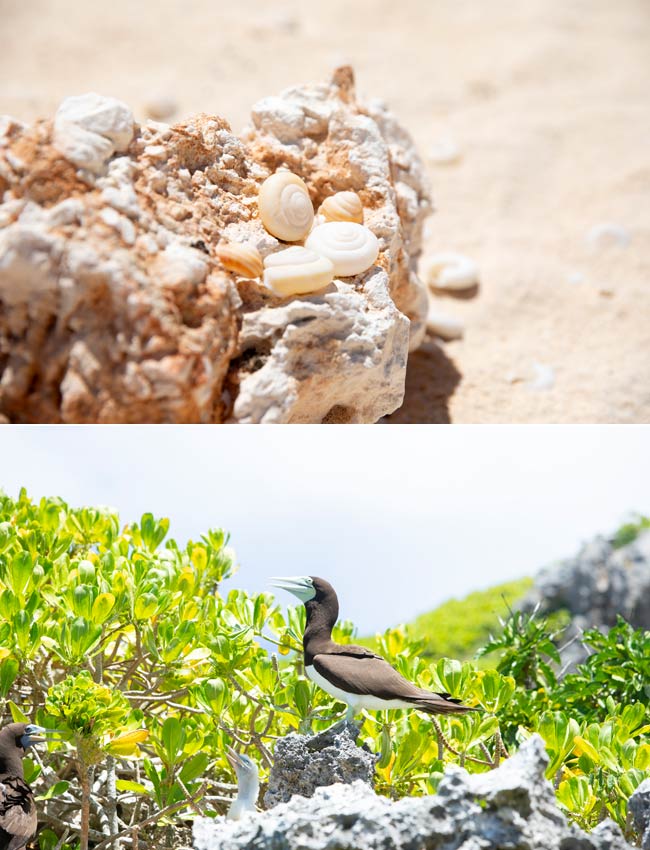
(629, 531)
(459, 627)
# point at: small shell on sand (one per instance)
(608, 234)
(444, 152)
(351, 247)
(544, 377)
(297, 271)
(285, 207)
(343, 206)
(444, 326)
(160, 107)
(449, 271)
(244, 260)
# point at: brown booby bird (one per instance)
(248, 784)
(354, 674)
(18, 817)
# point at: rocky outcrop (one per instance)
(595, 587)
(639, 809)
(513, 806)
(114, 306)
(303, 763)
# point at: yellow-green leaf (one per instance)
(102, 607)
(127, 744)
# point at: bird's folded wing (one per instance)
(366, 674)
(17, 810)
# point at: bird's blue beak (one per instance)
(300, 586)
(37, 735)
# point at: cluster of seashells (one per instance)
(336, 242)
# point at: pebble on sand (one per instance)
(608, 235)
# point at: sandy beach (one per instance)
(533, 117)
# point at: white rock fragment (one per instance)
(449, 271)
(444, 326)
(608, 235)
(179, 267)
(69, 211)
(123, 199)
(120, 223)
(575, 278)
(89, 128)
(96, 113)
(280, 118)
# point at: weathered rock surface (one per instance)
(639, 808)
(114, 307)
(595, 587)
(303, 763)
(511, 807)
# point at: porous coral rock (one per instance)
(510, 807)
(303, 763)
(114, 306)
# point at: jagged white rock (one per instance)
(513, 806)
(370, 338)
(89, 128)
(116, 254)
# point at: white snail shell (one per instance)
(351, 247)
(297, 271)
(449, 271)
(244, 260)
(343, 206)
(285, 207)
(445, 326)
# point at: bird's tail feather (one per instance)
(442, 705)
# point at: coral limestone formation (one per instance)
(136, 283)
(512, 806)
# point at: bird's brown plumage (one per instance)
(357, 670)
(18, 816)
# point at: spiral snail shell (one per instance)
(297, 271)
(450, 271)
(241, 259)
(343, 206)
(351, 247)
(285, 207)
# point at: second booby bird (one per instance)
(18, 816)
(354, 674)
(248, 784)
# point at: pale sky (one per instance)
(398, 519)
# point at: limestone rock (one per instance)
(639, 808)
(114, 306)
(596, 586)
(88, 129)
(512, 806)
(303, 763)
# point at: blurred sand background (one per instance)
(546, 101)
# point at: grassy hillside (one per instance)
(458, 627)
